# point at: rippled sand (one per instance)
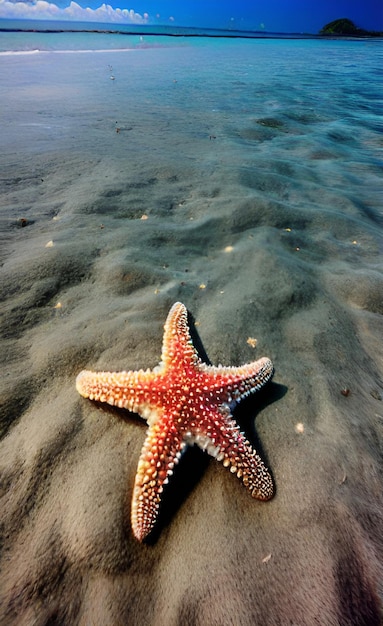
(255, 200)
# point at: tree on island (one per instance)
(344, 26)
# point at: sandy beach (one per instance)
(245, 183)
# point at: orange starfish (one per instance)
(185, 402)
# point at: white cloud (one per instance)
(43, 10)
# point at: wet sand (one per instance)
(261, 213)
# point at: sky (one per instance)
(270, 15)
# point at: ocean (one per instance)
(242, 177)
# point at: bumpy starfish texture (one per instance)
(185, 402)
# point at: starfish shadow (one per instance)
(190, 469)
(195, 461)
(196, 339)
(246, 411)
(187, 474)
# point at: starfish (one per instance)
(185, 402)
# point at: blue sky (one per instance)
(271, 15)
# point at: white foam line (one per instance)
(27, 52)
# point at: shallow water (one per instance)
(244, 179)
(281, 138)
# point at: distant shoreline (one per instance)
(166, 31)
(217, 35)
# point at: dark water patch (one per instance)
(374, 215)
(285, 168)
(267, 129)
(108, 208)
(115, 200)
(192, 240)
(298, 174)
(306, 116)
(256, 134)
(26, 214)
(141, 208)
(138, 198)
(112, 193)
(323, 154)
(265, 182)
(341, 134)
(14, 183)
(265, 212)
(271, 122)
(372, 122)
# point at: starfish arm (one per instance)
(177, 347)
(161, 452)
(221, 438)
(235, 383)
(134, 391)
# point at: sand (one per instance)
(266, 224)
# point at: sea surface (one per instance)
(242, 177)
(294, 124)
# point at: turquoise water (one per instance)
(32, 41)
(324, 95)
(292, 124)
(281, 135)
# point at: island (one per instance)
(345, 27)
